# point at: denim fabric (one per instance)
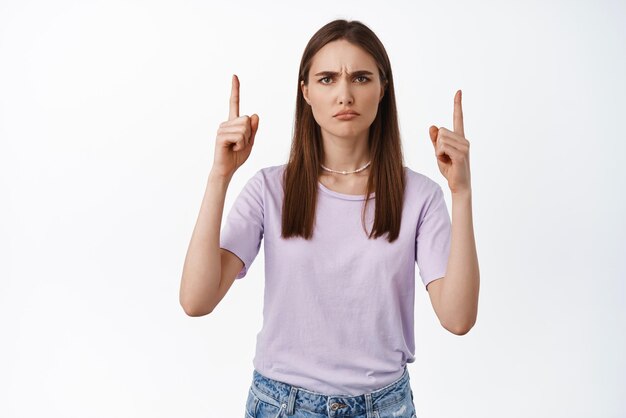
(268, 398)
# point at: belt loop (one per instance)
(369, 410)
(291, 402)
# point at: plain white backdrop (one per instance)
(108, 115)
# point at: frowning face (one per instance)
(343, 77)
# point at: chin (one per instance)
(349, 132)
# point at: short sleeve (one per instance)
(243, 231)
(432, 241)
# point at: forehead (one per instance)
(342, 56)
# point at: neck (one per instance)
(347, 153)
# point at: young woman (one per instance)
(343, 223)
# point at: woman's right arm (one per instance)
(202, 271)
(208, 270)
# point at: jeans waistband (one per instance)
(289, 397)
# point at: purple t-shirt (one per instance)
(338, 309)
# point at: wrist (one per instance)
(462, 194)
(215, 177)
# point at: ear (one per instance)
(382, 92)
(305, 90)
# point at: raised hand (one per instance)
(452, 151)
(235, 137)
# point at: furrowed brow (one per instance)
(354, 73)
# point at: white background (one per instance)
(108, 115)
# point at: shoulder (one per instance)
(271, 171)
(271, 176)
(420, 183)
(265, 180)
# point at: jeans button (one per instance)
(335, 406)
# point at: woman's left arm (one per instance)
(458, 295)
(459, 290)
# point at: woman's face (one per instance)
(355, 86)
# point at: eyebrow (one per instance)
(354, 73)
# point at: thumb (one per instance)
(433, 131)
(254, 124)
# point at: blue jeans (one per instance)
(268, 398)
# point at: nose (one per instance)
(344, 92)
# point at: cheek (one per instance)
(318, 102)
(371, 103)
(374, 96)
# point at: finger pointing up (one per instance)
(458, 115)
(234, 99)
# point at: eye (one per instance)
(366, 79)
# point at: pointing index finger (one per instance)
(234, 99)
(458, 114)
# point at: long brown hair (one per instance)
(386, 176)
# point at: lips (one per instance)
(347, 112)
